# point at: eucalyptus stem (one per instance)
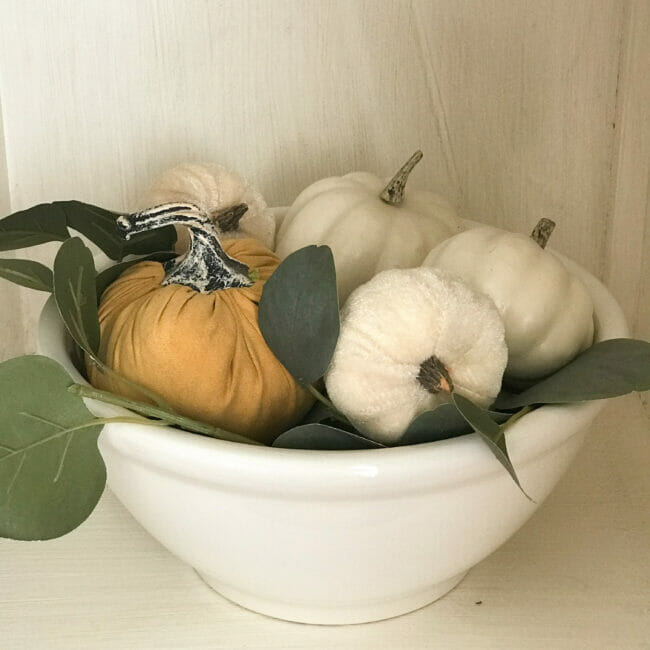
(64, 432)
(511, 420)
(515, 416)
(154, 412)
(143, 390)
(326, 402)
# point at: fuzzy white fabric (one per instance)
(214, 188)
(390, 326)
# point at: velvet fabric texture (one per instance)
(204, 353)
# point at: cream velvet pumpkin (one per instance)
(367, 233)
(213, 189)
(408, 338)
(546, 310)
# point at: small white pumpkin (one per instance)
(214, 189)
(370, 226)
(408, 338)
(546, 310)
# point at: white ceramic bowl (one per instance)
(336, 536)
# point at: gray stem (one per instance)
(206, 267)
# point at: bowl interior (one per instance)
(443, 462)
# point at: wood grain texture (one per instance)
(12, 328)
(628, 254)
(575, 577)
(514, 104)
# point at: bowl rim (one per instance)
(344, 472)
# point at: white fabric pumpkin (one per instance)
(395, 329)
(546, 310)
(367, 233)
(214, 188)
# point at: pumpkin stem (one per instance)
(205, 267)
(393, 193)
(228, 220)
(434, 376)
(542, 231)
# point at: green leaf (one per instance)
(442, 423)
(50, 478)
(490, 432)
(151, 241)
(36, 225)
(317, 413)
(109, 275)
(158, 413)
(322, 437)
(75, 293)
(27, 273)
(99, 225)
(298, 312)
(606, 369)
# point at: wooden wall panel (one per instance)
(12, 326)
(513, 103)
(628, 255)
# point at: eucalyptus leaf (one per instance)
(323, 437)
(37, 225)
(110, 274)
(317, 413)
(606, 369)
(27, 273)
(442, 423)
(50, 477)
(158, 413)
(298, 312)
(100, 226)
(75, 293)
(490, 432)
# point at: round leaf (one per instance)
(75, 293)
(299, 315)
(322, 437)
(442, 423)
(50, 480)
(606, 369)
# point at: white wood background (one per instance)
(523, 109)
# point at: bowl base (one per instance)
(333, 614)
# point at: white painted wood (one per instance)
(12, 326)
(575, 576)
(513, 103)
(628, 259)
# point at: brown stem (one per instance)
(434, 376)
(542, 231)
(228, 220)
(393, 193)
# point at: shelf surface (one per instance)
(577, 575)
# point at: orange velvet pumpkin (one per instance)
(199, 348)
